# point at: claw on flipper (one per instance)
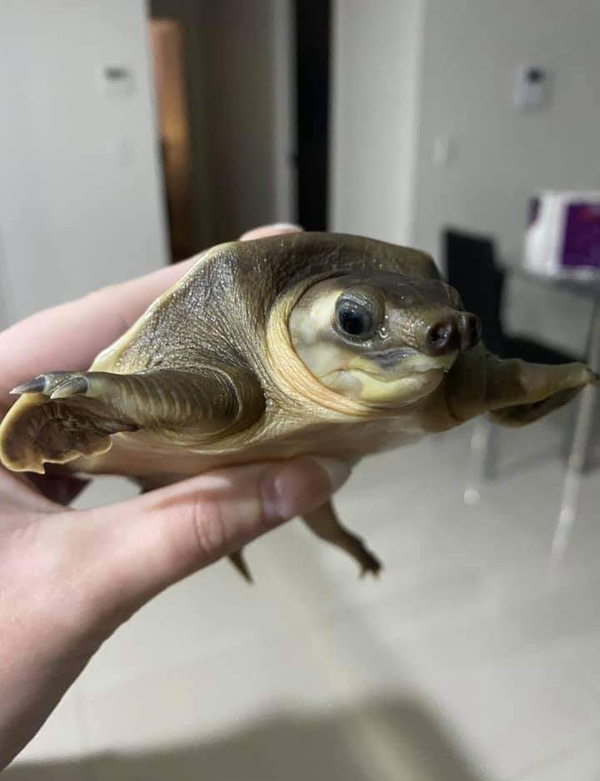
(369, 565)
(239, 562)
(56, 385)
(37, 385)
(74, 386)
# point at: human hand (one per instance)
(69, 578)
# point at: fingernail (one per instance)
(302, 486)
(337, 471)
(271, 230)
(286, 227)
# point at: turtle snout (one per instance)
(470, 331)
(454, 332)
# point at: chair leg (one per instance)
(579, 448)
(482, 458)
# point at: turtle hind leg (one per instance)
(239, 562)
(325, 524)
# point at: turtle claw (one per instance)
(56, 385)
(369, 564)
(76, 385)
(37, 385)
(324, 523)
(239, 562)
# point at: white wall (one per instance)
(471, 51)
(80, 193)
(376, 56)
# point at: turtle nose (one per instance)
(442, 337)
(470, 331)
(455, 332)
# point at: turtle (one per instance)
(297, 344)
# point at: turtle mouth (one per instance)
(398, 363)
(390, 358)
(375, 387)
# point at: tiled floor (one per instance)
(470, 659)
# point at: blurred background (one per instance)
(134, 134)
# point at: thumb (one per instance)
(145, 544)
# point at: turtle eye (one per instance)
(355, 318)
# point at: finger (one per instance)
(139, 547)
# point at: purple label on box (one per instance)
(582, 235)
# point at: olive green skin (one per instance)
(231, 310)
(209, 377)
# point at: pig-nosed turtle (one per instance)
(295, 344)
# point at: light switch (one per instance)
(532, 89)
(115, 79)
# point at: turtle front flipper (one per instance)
(64, 415)
(325, 524)
(518, 393)
(512, 391)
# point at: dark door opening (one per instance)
(312, 38)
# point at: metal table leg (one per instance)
(580, 446)
(482, 458)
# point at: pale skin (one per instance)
(69, 579)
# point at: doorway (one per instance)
(312, 22)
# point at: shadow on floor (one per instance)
(381, 741)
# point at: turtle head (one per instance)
(381, 339)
